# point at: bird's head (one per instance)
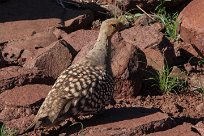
(111, 26)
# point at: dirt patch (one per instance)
(176, 105)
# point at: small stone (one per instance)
(200, 108)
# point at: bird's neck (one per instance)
(100, 55)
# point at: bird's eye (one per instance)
(114, 25)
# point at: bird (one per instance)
(85, 87)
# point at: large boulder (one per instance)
(53, 59)
(17, 52)
(156, 51)
(191, 29)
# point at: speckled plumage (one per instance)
(85, 87)
(88, 89)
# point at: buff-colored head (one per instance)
(110, 26)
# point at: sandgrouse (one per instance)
(83, 88)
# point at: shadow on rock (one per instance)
(110, 116)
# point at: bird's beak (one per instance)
(124, 26)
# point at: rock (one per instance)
(2, 61)
(143, 121)
(52, 59)
(144, 36)
(180, 130)
(114, 10)
(20, 123)
(196, 82)
(200, 108)
(21, 19)
(186, 53)
(172, 108)
(155, 49)
(17, 52)
(191, 29)
(17, 76)
(177, 72)
(200, 128)
(184, 50)
(80, 38)
(82, 21)
(22, 101)
(125, 66)
(188, 57)
(25, 96)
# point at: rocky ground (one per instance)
(39, 39)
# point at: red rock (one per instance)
(196, 82)
(155, 49)
(16, 76)
(123, 126)
(156, 59)
(21, 19)
(20, 123)
(200, 127)
(17, 52)
(200, 108)
(185, 51)
(80, 38)
(2, 61)
(83, 20)
(191, 29)
(22, 101)
(26, 95)
(53, 59)
(188, 56)
(180, 130)
(144, 36)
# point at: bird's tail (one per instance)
(31, 127)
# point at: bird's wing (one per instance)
(70, 85)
